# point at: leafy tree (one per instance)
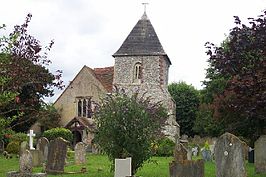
(48, 117)
(241, 60)
(187, 101)
(127, 126)
(28, 74)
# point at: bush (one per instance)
(6, 135)
(13, 147)
(19, 137)
(58, 132)
(165, 147)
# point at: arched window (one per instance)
(84, 108)
(79, 108)
(137, 73)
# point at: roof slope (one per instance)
(105, 76)
(142, 40)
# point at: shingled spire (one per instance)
(141, 41)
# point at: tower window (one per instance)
(137, 73)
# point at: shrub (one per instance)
(165, 147)
(19, 137)
(6, 135)
(58, 132)
(13, 147)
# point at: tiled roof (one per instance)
(142, 40)
(105, 76)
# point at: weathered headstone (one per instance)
(195, 151)
(25, 162)
(180, 153)
(189, 154)
(251, 155)
(56, 156)
(206, 154)
(2, 146)
(260, 155)
(31, 135)
(188, 168)
(80, 153)
(23, 147)
(37, 157)
(42, 145)
(123, 167)
(229, 157)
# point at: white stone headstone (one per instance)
(31, 135)
(123, 167)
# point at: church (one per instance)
(141, 65)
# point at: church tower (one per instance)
(141, 65)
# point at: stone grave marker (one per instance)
(37, 157)
(123, 167)
(195, 151)
(56, 156)
(80, 153)
(25, 162)
(260, 154)
(206, 154)
(189, 154)
(42, 146)
(2, 146)
(31, 135)
(23, 147)
(229, 157)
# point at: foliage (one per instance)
(165, 147)
(26, 78)
(127, 126)
(48, 116)
(19, 137)
(6, 135)
(187, 101)
(13, 147)
(241, 60)
(58, 132)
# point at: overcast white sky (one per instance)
(88, 32)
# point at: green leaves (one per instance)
(127, 127)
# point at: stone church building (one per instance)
(141, 65)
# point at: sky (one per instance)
(89, 32)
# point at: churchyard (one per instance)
(228, 158)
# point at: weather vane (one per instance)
(145, 4)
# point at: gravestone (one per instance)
(37, 157)
(23, 147)
(189, 168)
(56, 156)
(195, 151)
(251, 155)
(189, 154)
(206, 154)
(80, 153)
(42, 146)
(31, 135)
(123, 167)
(25, 162)
(260, 154)
(2, 146)
(180, 153)
(229, 157)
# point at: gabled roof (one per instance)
(142, 40)
(83, 121)
(105, 76)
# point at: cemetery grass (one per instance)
(99, 166)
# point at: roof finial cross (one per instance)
(145, 4)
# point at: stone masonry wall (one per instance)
(154, 84)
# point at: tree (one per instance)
(187, 101)
(127, 127)
(28, 74)
(241, 60)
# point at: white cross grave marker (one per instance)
(31, 135)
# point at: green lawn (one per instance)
(99, 166)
